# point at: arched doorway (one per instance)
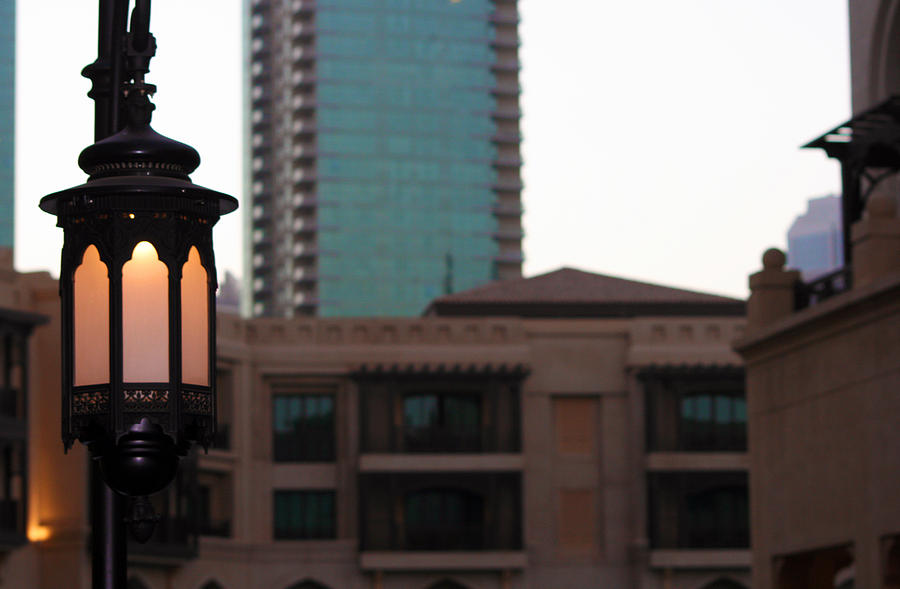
(308, 585)
(724, 584)
(212, 585)
(447, 584)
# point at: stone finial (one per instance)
(771, 290)
(774, 259)
(876, 240)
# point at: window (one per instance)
(444, 519)
(304, 515)
(224, 399)
(442, 423)
(303, 428)
(696, 413)
(698, 510)
(713, 421)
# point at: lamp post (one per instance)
(137, 283)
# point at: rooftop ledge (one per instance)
(444, 561)
(692, 558)
(888, 288)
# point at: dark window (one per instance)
(308, 585)
(304, 515)
(224, 398)
(700, 414)
(303, 428)
(444, 519)
(442, 423)
(698, 510)
(713, 421)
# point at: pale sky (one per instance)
(661, 138)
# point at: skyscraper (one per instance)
(384, 164)
(7, 120)
(815, 244)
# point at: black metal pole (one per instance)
(109, 554)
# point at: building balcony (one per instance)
(508, 235)
(507, 210)
(505, 18)
(509, 66)
(506, 89)
(700, 559)
(507, 114)
(506, 137)
(507, 162)
(174, 541)
(505, 42)
(507, 186)
(440, 512)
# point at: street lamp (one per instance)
(137, 280)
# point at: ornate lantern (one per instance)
(137, 282)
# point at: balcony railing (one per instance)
(822, 288)
(441, 439)
(219, 528)
(447, 537)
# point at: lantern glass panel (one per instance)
(194, 321)
(91, 319)
(145, 316)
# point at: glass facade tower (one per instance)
(7, 120)
(384, 153)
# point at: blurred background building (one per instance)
(569, 430)
(823, 369)
(815, 243)
(384, 165)
(7, 121)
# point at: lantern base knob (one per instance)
(144, 461)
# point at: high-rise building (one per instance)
(815, 243)
(7, 120)
(384, 153)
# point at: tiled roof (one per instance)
(570, 288)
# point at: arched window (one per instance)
(136, 583)
(447, 584)
(308, 585)
(724, 584)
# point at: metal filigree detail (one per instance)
(146, 400)
(197, 402)
(90, 403)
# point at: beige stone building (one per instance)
(823, 369)
(567, 431)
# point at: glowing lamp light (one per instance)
(38, 533)
(138, 282)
